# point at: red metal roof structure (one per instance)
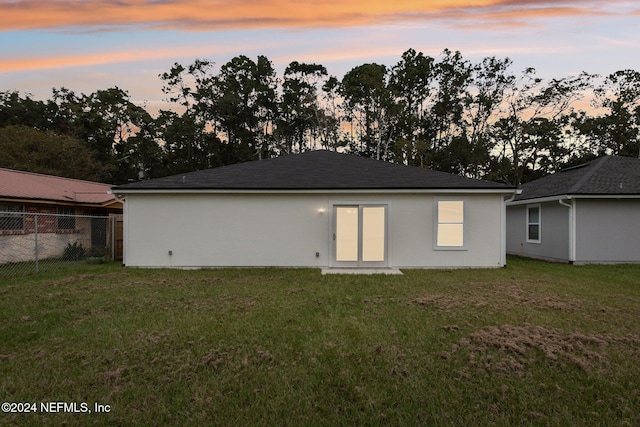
(29, 186)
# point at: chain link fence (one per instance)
(36, 242)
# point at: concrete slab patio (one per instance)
(388, 271)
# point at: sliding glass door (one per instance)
(360, 236)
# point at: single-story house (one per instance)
(584, 214)
(316, 209)
(63, 211)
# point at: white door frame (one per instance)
(333, 235)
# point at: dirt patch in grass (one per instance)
(520, 296)
(443, 302)
(215, 358)
(508, 350)
(116, 375)
(484, 294)
(78, 278)
(375, 300)
(150, 337)
(235, 359)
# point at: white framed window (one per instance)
(11, 216)
(449, 224)
(66, 218)
(534, 216)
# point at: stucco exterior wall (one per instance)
(554, 232)
(607, 230)
(21, 247)
(217, 230)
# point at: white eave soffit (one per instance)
(567, 197)
(313, 191)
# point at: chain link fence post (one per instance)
(35, 239)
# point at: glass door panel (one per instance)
(360, 236)
(346, 235)
(373, 234)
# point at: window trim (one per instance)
(436, 224)
(20, 210)
(529, 223)
(65, 214)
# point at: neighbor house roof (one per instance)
(605, 176)
(313, 170)
(47, 188)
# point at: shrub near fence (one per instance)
(34, 242)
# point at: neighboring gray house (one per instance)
(316, 209)
(584, 214)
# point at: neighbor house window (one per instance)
(533, 223)
(66, 218)
(11, 216)
(450, 224)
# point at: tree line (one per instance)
(481, 120)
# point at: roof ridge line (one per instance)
(597, 164)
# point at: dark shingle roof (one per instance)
(313, 170)
(609, 175)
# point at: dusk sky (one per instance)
(88, 45)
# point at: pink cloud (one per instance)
(15, 64)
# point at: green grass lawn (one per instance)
(534, 344)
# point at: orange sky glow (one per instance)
(206, 15)
(91, 44)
